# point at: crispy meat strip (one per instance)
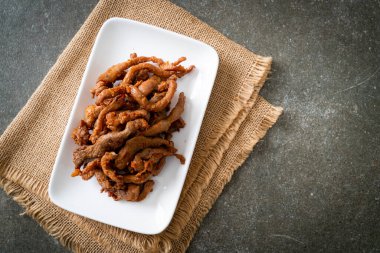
(81, 134)
(99, 87)
(107, 162)
(149, 85)
(106, 79)
(136, 144)
(159, 166)
(130, 76)
(115, 71)
(180, 70)
(144, 154)
(107, 142)
(89, 171)
(157, 116)
(105, 183)
(132, 193)
(181, 59)
(91, 114)
(164, 125)
(181, 158)
(138, 162)
(99, 128)
(163, 86)
(151, 163)
(148, 187)
(159, 105)
(152, 166)
(157, 97)
(166, 69)
(115, 120)
(142, 75)
(114, 191)
(110, 93)
(135, 192)
(176, 125)
(145, 87)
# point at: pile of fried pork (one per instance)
(125, 136)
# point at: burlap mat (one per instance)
(235, 120)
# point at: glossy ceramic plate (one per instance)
(116, 40)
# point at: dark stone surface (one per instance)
(313, 183)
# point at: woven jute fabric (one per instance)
(235, 120)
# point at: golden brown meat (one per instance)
(159, 105)
(116, 120)
(164, 125)
(105, 183)
(110, 93)
(107, 162)
(149, 85)
(89, 171)
(129, 95)
(148, 187)
(157, 116)
(108, 142)
(159, 166)
(91, 114)
(180, 70)
(106, 79)
(157, 97)
(99, 128)
(81, 135)
(99, 87)
(138, 162)
(130, 76)
(136, 144)
(145, 87)
(135, 192)
(132, 193)
(142, 75)
(176, 125)
(163, 86)
(116, 70)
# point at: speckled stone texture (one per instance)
(312, 184)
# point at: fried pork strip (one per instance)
(136, 144)
(160, 104)
(106, 79)
(89, 171)
(128, 96)
(99, 128)
(131, 192)
(130, 76)
(91, 114)
(107, 142)
(115, 120)
(81, 135)
(164, 124)
(143, 157)
(145, 88)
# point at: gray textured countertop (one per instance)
(312, 184)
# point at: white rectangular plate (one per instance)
(116, 40)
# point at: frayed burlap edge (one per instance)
(64, 229)
(222, 176)
(189, 198)
(196, 182)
